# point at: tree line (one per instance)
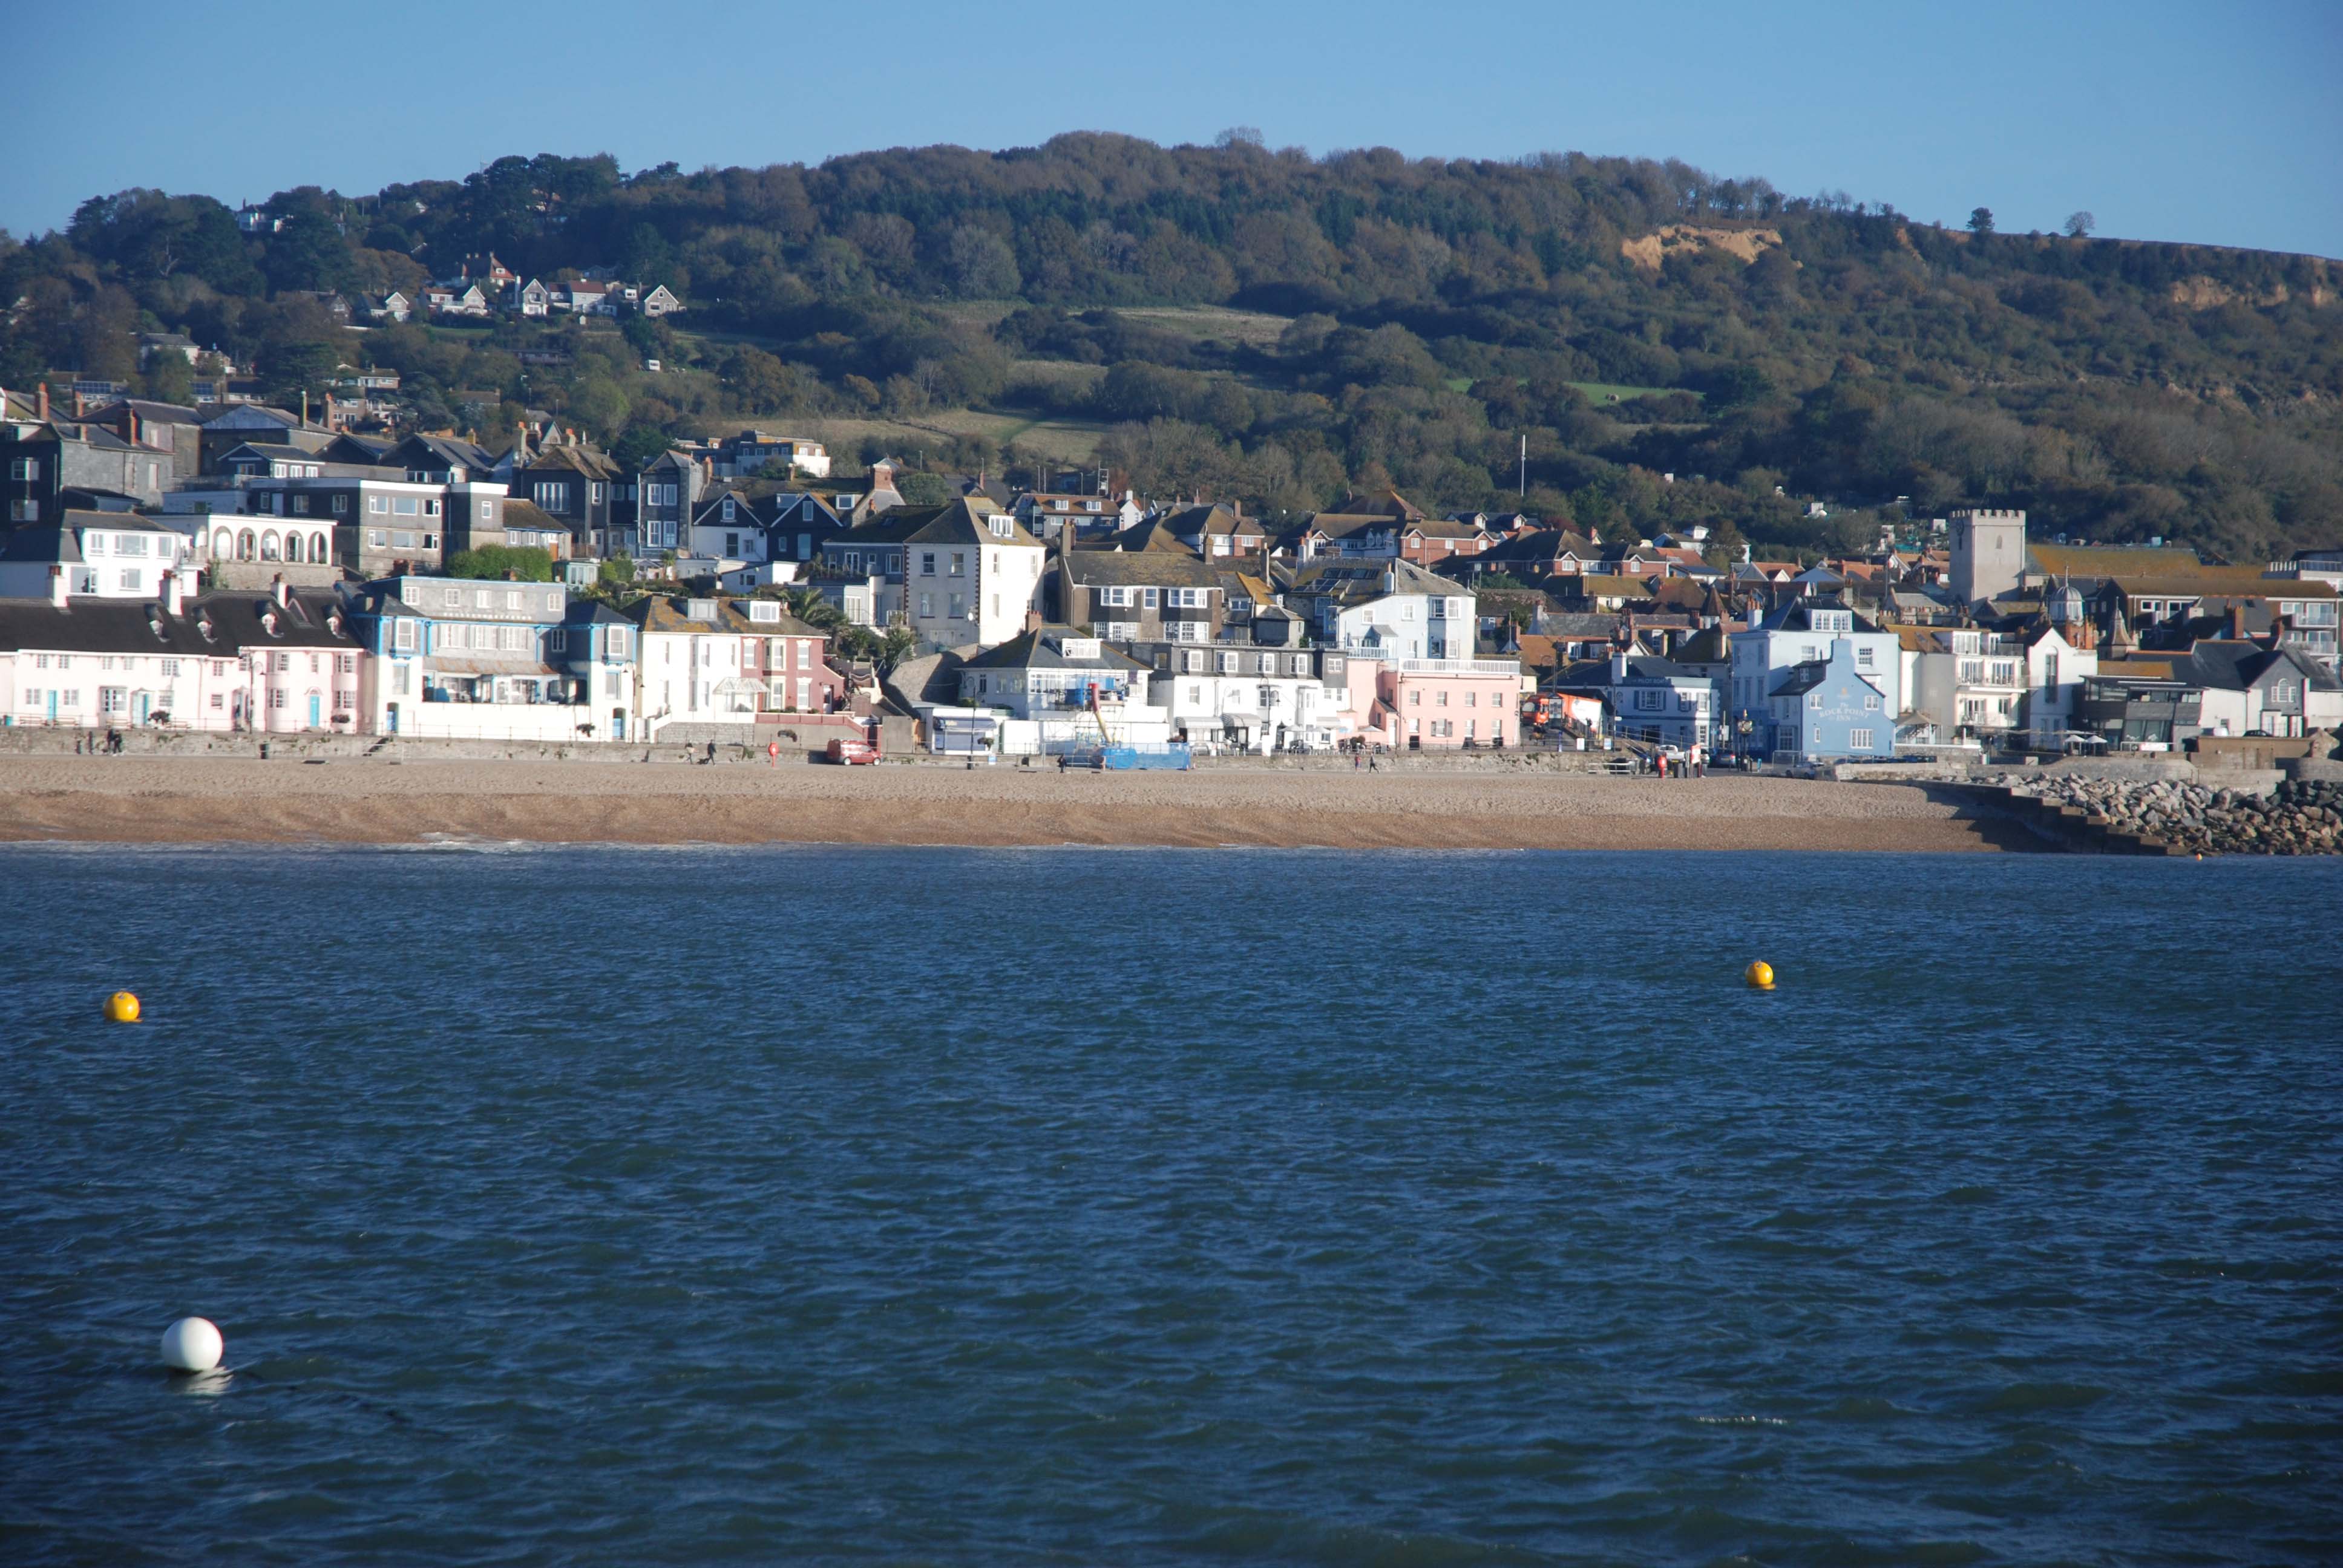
(1631, 318)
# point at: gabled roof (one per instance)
(1209, 520)
(1387, 503)
(966, 521)
(1794, 614)
(1152, 534)
(444, 451)
(1040, 650)
(528, 517)
(1152, 569)
(1362, 582)
(2236, 666)
(660, 614)
(586, 460)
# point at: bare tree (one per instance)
(2079, 223)
(1238, 136)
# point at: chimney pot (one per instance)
(57, 586)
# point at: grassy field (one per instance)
(1074, 441)
(1211, 323)
(1599, 392)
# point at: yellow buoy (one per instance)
(122, 1007)
(1761, 975)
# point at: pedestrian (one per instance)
(1356, 761)
(1700, 761)
(1371, 763)
(711, 753)
(1660, 764)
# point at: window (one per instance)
(1440, 698)
(1267, 664)
(1860, 739)
(1147, 596)
(376, 538)
(959, 564)
(170, 670)
(618, 642)
(927, 605)
(25, 468)
(405, 506)
(130, 579)
(112, 698)
(376, 504)
(1871, 703)
(277, 697)
(301, 506)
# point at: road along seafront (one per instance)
(1403, 804)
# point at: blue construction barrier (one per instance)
(1121, 759)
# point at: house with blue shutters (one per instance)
(1827, 710)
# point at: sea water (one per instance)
(1075, 1206)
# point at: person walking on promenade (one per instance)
(1660, 764)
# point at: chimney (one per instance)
(2236, 623)
(130, 424)
(276, 589)
(76, 402)
(174, 597)
(41, 403)
(57, 586)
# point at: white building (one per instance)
(272, 663)
(1394, 606)
(1080, 692)
(1243, 698)
(98, 555)
(957, 574)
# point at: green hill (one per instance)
(1263, 324)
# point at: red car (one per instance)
(852, 752)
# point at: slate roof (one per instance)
(2236, 666)
(1150, 568)
(1362, 582)
(214, 625)
(1038, 651)
(965, 521)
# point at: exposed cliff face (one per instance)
(1745, 245)
(2202, 293)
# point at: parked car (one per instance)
(852, 752)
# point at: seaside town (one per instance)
(230, 568)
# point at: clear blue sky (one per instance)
(2167, 120)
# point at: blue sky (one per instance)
(2216, 124)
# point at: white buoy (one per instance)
(192, 1344)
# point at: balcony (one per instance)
(1510, 667)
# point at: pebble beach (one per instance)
(143, 800)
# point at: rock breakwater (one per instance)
(2297, 818)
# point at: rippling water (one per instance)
(1080, 1206)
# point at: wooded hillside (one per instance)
(1401, 320)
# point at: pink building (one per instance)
(1438, 704)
